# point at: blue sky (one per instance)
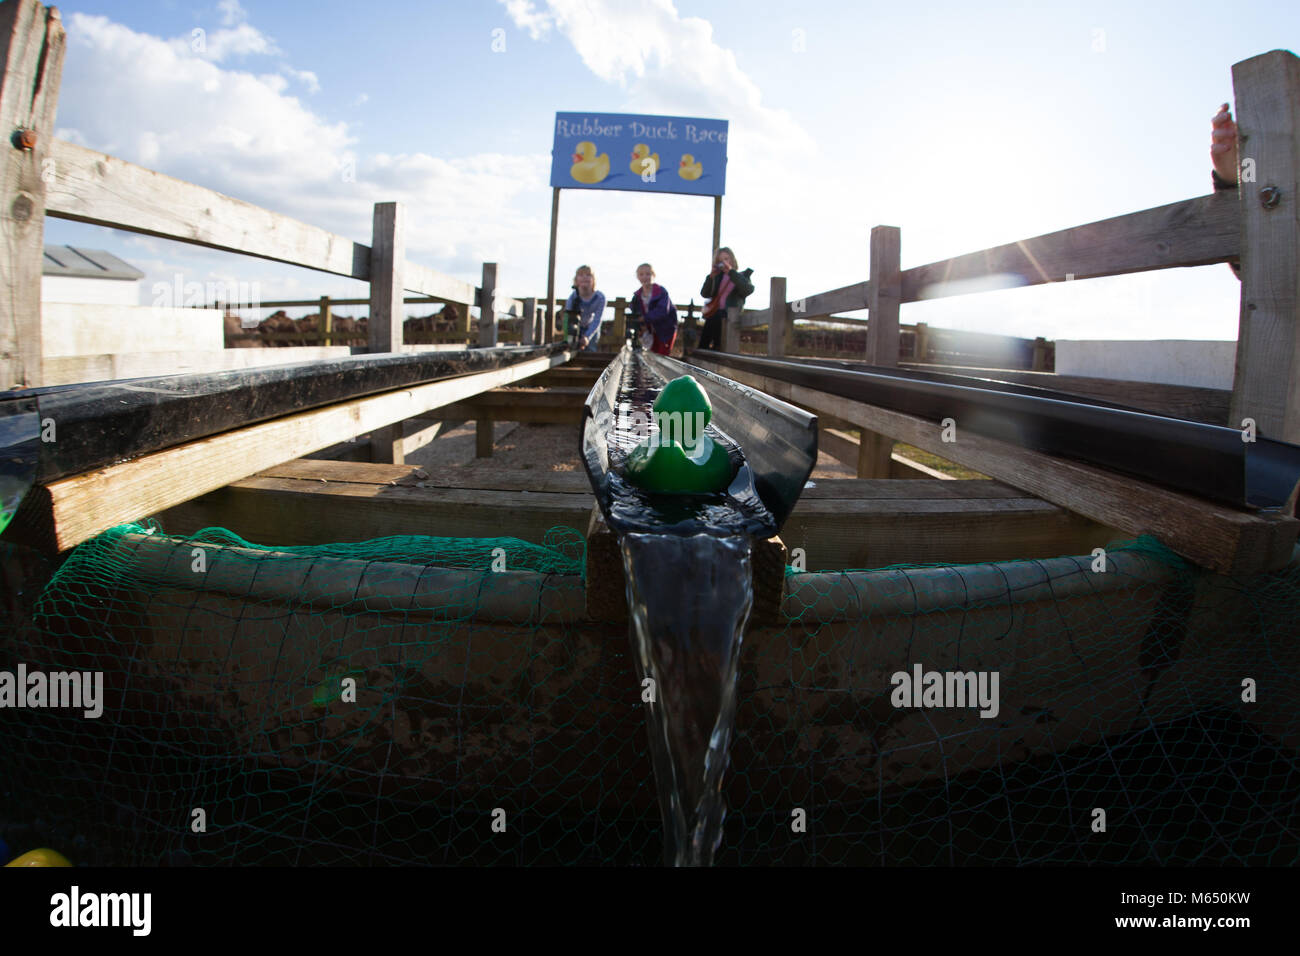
(965, 125)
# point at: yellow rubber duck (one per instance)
(41, 857)
(689, 168)
(587, 166)
(639, 157)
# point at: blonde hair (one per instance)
(727, 249)
(580, 270)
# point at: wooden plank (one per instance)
(74, 509)
(90, 186)
(523, 412)
(32, 44)
(528, 330)
(487, 305)
(847, 449)
(865, 533)
(288, 512)
(779, 324)
(498, 479)
(606, 590)
(483, 436)
(883, 297)
(1267, 384)
(973, 489)
(1194, 232)
(755, 318)
(429, 282)
(849, 298)
(1211, 535)
(1208, 405)
(69, 369)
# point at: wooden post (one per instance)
(387, 255)
(1040, 354)
(717, 224)
(620, 322)
(32, 43)
(384, 332)
(922, 348)
(1267, 384)
(778, 331)
(487, 320)
(883, 297)
(528, 326)
(689, 327)
(550, 268)
(326, 321)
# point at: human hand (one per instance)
(1223, 146)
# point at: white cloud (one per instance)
(305, 77)
(141, 98)
(232, 12)
(526, 17)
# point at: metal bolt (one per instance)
(1270, 196)
(27, 139)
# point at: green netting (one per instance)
(484, 695)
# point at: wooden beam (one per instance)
(849, 298)
(1211, 535)
(1208, 405)
(778, 325)
(883, 297)
(487, 316)
(90, 186)
(1193, 232)
(528, 329)
(307, 502)
(846, 448)
(483, 437)
(67, 512)
(426, 281)
(1267, 385)
(384, 332)
(32, 44)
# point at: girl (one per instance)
(589, 307)
(655, 307)
(726, 288)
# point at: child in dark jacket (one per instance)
(726, 289)
(655, 307)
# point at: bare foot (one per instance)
(1223, 146)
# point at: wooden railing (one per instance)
(44, 176)
(1257, 224)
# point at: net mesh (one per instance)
(425, 700)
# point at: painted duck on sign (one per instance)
(587, 166)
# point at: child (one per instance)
(589, 305)
(655, 307)
(726, 288)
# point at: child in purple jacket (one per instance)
(655, 307)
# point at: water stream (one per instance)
(686, 559)
(688, 599)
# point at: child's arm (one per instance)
(1223, 149)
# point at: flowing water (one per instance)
(689, 598)
(686, 559)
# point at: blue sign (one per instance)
(645, 154)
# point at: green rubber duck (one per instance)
(681, 458)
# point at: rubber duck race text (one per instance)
(590, 127)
